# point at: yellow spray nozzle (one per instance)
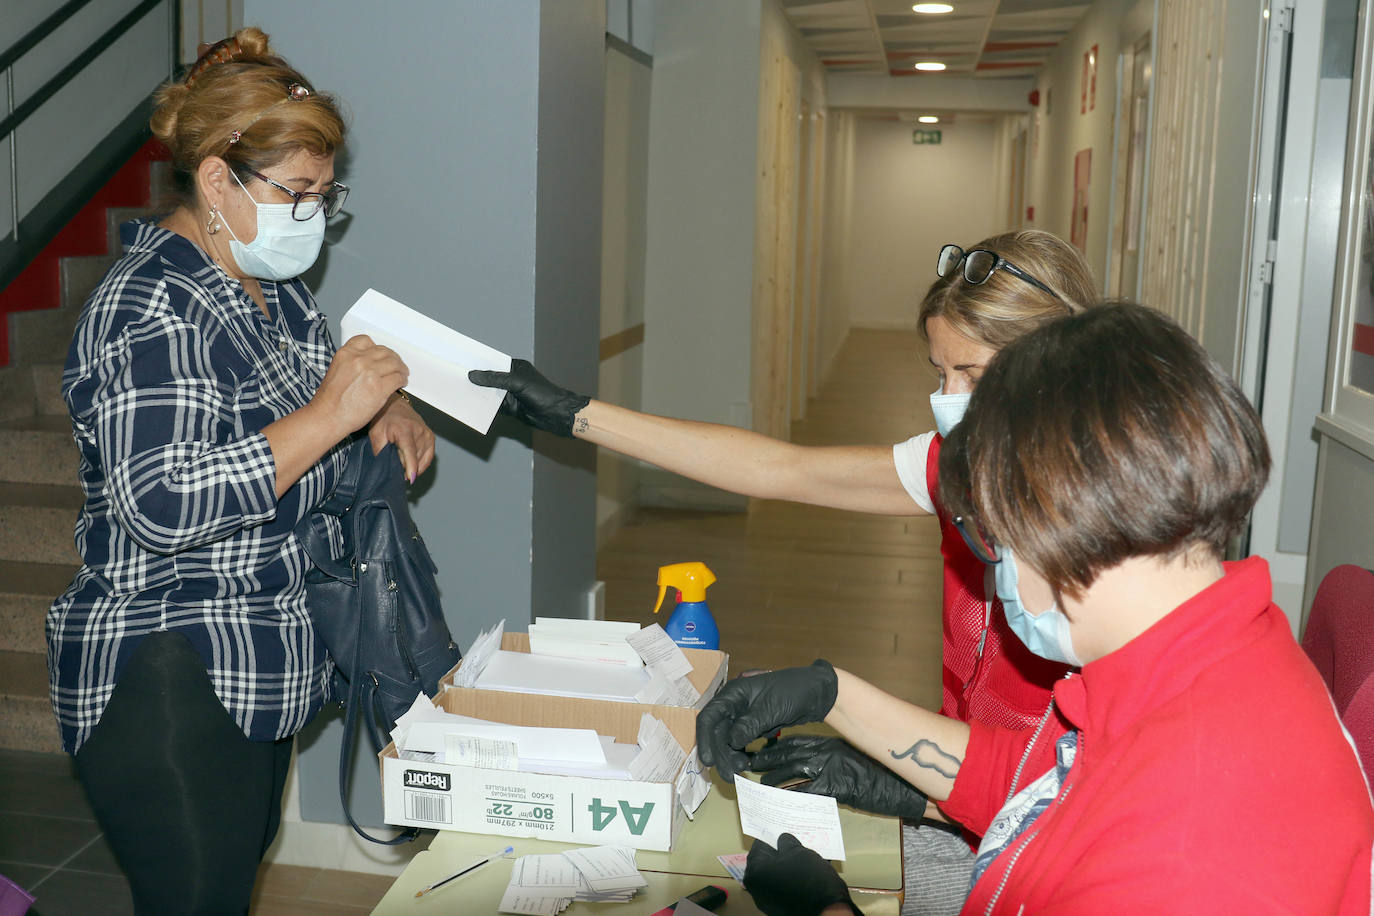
(691, 579)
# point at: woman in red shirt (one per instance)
(1104, 464)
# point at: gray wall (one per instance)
(699, 274)
(475, 162)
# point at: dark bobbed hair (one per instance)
(241, 85)
(1103, 436)
(1001, 309)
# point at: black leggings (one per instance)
(188, 803)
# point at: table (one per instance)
(873, 868)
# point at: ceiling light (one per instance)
(928, 119)
(932, 8)
(930, 65)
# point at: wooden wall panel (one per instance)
(1183, 158)
(774, 234)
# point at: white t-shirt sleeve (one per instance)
(910, 458)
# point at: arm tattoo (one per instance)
(582, 424)
(928, 755)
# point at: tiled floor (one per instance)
(795, 583)
(51, 846)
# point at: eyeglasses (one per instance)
(305, 204)
(982, 544)
(979, 264)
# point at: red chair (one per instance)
(1340, 641)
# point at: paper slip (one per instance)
(551, 874)
(438, 357)
(519, 900)
(766, 812)
(686, 907)
(547, 884)
(608, 869)
(660, 653)
(734, 863)
(692, 785)
(422, 710)
(660, 756)
(479, 655)
(660, 691)
(485, 753)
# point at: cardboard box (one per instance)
(572, 809)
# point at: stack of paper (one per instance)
(592, 640)
(546, 885)
(521, 672)
(427, 733)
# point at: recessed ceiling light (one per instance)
(932, 8)
(931, 65)
(928, 119)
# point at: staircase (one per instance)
(39, 492)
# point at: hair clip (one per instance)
(221, 51)
(235, 137)
(296, 92)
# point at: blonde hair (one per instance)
(237, 102)
(1004, 307)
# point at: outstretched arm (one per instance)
(856, 478)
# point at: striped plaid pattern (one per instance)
(172, 374)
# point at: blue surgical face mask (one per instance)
(948, 409)
(284, 247)
(1047, 633)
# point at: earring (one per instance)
(212, 224)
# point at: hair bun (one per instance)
(249, 43)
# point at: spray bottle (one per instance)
(691, 625)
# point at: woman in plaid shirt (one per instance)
(210, 408)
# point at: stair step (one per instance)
(36, 522)
(80, 275)
(43, 334)
(118, 216)
(47, 388)
(26, 718)
(16, 392)
(26, 592)
(38, 449)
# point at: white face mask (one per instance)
(284, 247)
(1047, 633)
(948, 409)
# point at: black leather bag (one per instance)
(376, 606)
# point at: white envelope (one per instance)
(438, 357)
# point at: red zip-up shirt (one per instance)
(1212, 776)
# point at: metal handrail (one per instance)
(26, 237)
(41, 31)
(69, 72)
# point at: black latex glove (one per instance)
(792, 880)
(838, 769)
(531, 398)
(750, 707)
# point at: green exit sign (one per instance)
(925, 137)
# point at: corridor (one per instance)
(797, 582)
